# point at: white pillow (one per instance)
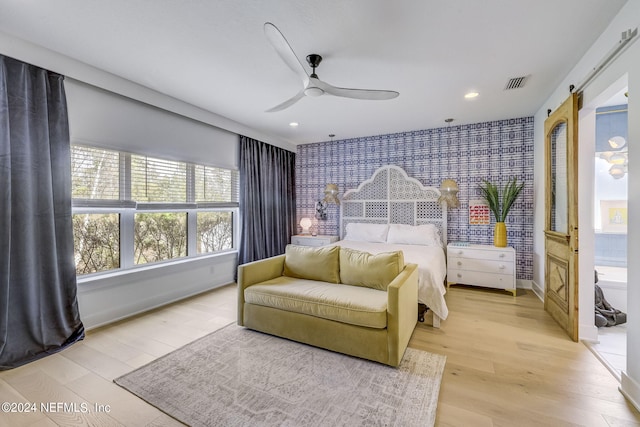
(426, 235)
(363, 232)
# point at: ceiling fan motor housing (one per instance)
(314, 60)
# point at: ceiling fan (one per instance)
(312, 85)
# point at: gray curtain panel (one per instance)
(267, 199)
(38, 306)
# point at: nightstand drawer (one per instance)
(482, 265)
(497, 255)
(489, 280)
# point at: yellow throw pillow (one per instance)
(359, 268)
(304, 262)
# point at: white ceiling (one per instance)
(214, 55)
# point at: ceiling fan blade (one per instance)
(283, 48)
(286, 104)
(371, 94)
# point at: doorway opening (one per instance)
(610, 195)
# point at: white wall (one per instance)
(626, 65)
(106, 298)
(37, 55)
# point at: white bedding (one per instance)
(432, 269)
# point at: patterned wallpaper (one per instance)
(496, 151)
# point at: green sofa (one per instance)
(339, 299)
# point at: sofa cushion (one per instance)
(360, 268)
(342, 303)
(304, 262)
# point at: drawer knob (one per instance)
(502, 255)
(460, 252)
(459, 262)
(459, 275)
(501, 267)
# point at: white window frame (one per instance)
(126, 209)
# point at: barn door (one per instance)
(561, 209)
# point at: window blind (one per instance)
(157, 180)
(216, 185)
(107, 178)
(95, 172)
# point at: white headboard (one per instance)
(390, 196)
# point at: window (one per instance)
(214, 231)
(156, 180)
(131, 210)
(214, 184)
(159, 236)
(97, 242)
(95, 174)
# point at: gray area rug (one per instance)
(239, 377)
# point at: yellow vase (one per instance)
(500, 235)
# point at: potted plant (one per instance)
(500, 203)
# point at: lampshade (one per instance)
(331, 194)
(449, 193)
(305, 223)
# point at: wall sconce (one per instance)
(305, 223)
(330, 196)
(449, 193)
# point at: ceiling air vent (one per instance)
(516, 83)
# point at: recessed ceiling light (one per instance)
(294, 124)
(470, 95)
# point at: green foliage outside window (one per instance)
(159, 237)
(96, 239)
(215, 231)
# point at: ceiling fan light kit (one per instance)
(313, 91)
(312, 85)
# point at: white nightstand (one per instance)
(482, 265)
(309, 240)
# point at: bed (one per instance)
(392, 211)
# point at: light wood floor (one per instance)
(508, 364)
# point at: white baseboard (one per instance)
(538, 290)
(523, 284)
(630, 389)
(588, 332)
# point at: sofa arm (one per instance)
(402, 311)
(256, 272)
